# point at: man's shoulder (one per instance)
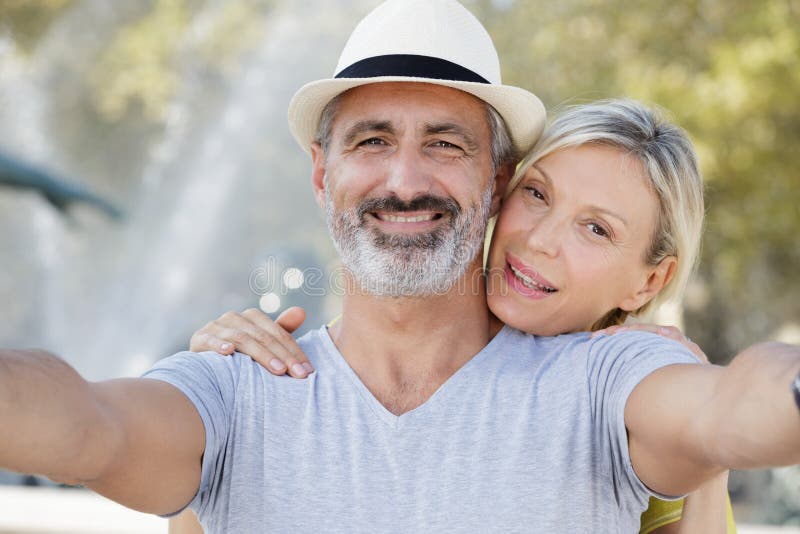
(635, 343)
(520, 344)
(514, 354)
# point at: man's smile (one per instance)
(407, 221)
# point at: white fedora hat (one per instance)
(428, 41)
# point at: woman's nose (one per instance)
(545, 235)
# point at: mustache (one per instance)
(420, 203)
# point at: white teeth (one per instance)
(397, 218)
(529, 282)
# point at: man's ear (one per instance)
(318, 173)
(658, 277)
(501, 179)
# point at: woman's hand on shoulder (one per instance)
(268, 342)
(670, 332)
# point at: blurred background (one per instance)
(148, 180)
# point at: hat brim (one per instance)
(522, 111)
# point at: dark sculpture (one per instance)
(56, 190)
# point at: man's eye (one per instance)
(445, 144)
(373, 141)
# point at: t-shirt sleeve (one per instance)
(616, 365)
(209, 381)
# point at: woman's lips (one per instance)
(525, 281)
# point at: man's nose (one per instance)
(545, 236)
(409, 177)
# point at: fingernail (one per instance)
(299, 369)
(225, 346)
(277, 365)
(309, 369)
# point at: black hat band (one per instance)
(411, 66)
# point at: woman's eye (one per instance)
(535, 192)
(598, 230)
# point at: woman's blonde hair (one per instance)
(670, 165)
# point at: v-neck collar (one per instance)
(397, 421)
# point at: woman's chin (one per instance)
(521, 317)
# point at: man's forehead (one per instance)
(422, 102)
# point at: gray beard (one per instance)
(397, 265)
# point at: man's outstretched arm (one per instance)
(688, 422)
(137, 441)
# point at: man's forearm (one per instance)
(755, 421)
(50, 422)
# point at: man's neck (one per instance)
(403, 349)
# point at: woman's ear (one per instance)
(318, 173)
(657, 278)
(501, 179)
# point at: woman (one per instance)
(610, 192)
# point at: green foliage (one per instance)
(28, 20)
(139, 70)
(139, 65)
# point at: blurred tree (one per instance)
(138, 65)
(28, 20)
(139, 69)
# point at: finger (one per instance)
(265, 349)
(248, 337)
(272, 329)
(291, 318)
(608, 331)
(672, 333)
(220, 345)
(269, 344)
(641, 327)
(697, 351)
(676, 334)
(204, 340)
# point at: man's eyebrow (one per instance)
(593, 207)
(453, 128)
(367, 126)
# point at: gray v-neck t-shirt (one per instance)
(528, 436)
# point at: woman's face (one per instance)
(570, 242)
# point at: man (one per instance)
(395, 432)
